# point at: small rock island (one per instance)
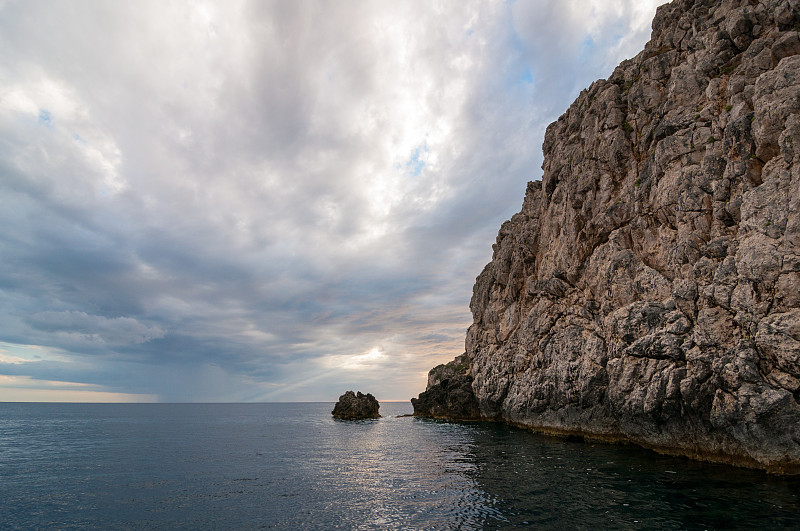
(353, 406)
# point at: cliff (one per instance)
(649, 289)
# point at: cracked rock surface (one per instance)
(649, 289)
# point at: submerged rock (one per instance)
(356, 406)
(649, 289)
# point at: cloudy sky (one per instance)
(268, 201)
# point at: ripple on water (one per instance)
(291, 466)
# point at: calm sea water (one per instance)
(291, 466)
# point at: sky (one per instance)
(245, 201)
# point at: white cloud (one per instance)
(240, 191)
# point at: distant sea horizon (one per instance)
(333, 401)
(290, 465)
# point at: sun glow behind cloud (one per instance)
(268, 201)
(368, 360)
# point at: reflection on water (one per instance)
(291, 466)
(553, 483)
(394, 473)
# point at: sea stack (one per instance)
(356, 406)
(649, 289)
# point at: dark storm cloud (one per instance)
(267, 200)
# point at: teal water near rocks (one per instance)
(292, 466)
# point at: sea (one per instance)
(293, 466)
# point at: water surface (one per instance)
(292, 466)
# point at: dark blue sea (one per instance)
(292, 466)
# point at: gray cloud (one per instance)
(269, 200)
(82, 327)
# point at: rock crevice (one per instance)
(649, 288)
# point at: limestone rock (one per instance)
(449, 394)
(356, 406)
(649, 289)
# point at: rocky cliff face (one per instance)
(649, 290)
(449, 394)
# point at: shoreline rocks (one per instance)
(449, 393)
(353, 406)
(649, 289)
